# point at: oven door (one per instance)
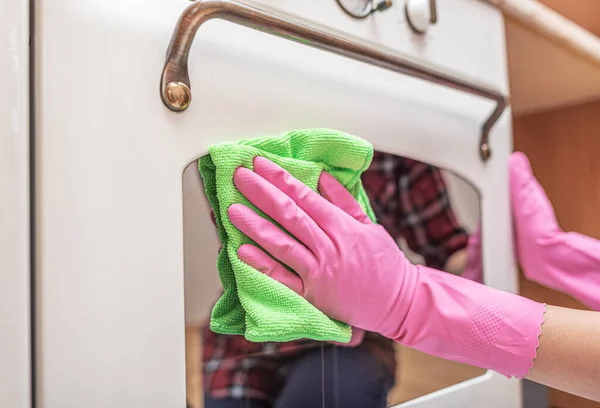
(110, 180)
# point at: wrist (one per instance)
(460, 320)
(401, 302)
(457, 262)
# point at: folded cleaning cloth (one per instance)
(253, 304)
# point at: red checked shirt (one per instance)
(411, 201)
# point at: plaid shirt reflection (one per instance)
(411, 201)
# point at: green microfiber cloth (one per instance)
(253, 304)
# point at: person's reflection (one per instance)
(411, 201)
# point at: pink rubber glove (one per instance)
(474, 266)
(353, 271)
(565, 261)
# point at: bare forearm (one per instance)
(568, 357)
(456, 262)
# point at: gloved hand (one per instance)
(332, 240)
(565, 261)
(352, 270)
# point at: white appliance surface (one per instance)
(110, 162)
(15, 349)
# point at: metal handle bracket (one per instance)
(175, 87)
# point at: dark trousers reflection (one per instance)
(352, 377)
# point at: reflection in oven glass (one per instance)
(430, 213)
